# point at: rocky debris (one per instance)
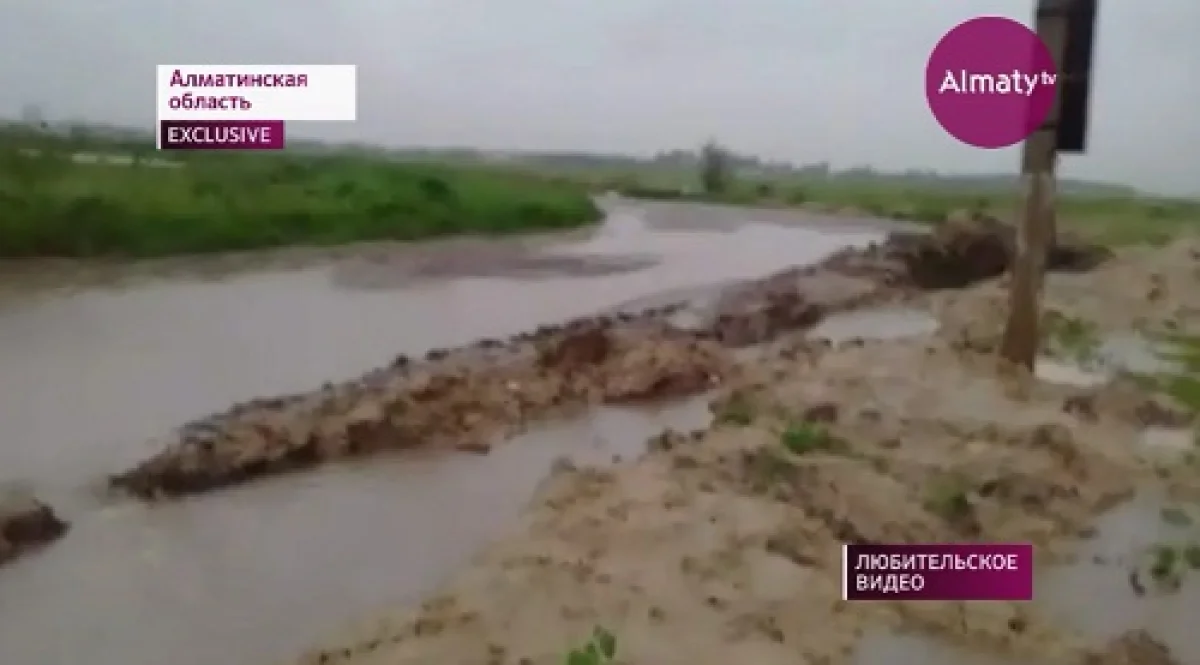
(456, 400)
(26, 523)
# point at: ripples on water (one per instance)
(252, 574)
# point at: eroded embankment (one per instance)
(469, 397)
(723, 546)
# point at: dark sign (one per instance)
(1075, 75)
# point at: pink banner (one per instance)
(952, 571)
(220, 134)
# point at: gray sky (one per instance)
(802, 80)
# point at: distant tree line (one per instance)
(716, 164)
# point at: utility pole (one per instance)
(1065, 27)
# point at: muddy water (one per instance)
(877, 323)
(253, 574)
(1111, 588)
(883, 647)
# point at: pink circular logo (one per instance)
(990, 82)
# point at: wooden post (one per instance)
(1036, 229)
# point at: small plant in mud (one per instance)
(1176, 517)
(1182, 352)
(1191, 556)
(600, 649)
(767, 468)
(1168, 562)
(737, 411)
(950, 499)
(1074, 337)
(804, 437)
(1164, 565)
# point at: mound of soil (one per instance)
(464, 399)
(762, 310)
(26, 523)
(468, 398)
(958, 253)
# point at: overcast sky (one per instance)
(802, 80)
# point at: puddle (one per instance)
(1063, 373)
(881, 323)
(1131, 352)
(611, 434)
(235, 576)
(1123, 352)
(1172, 443)
(1096, 594)
(884, 648)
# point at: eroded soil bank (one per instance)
(723, 546)
(469, 397)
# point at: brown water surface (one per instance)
(91, 374)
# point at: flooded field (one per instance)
(691, 528)
(94, 373)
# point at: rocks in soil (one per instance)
(26, 523)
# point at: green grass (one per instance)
(948, 497)
(600, 649)
(1183, 385)
(737, 411)
(801, 438)
(219, 201)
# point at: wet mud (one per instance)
(727, 544)
(724, 545)
(1138, 570)
(465, 401)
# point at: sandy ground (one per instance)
(722, 546)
